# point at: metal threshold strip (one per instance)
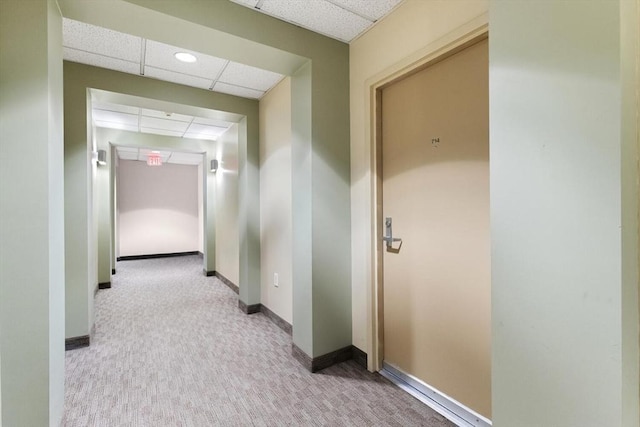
(451, 409)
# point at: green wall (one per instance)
(113, 86)
(319, 67)
(31, 214)
(564, 209)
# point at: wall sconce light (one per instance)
(214, 166)
(102, 157)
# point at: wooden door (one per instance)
(435, 185)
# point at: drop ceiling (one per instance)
(101, 47)
(135, 119)
(172, 157)
(343, 20)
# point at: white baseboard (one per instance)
(446, 406)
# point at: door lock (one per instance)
(388, 238)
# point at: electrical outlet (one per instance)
(275, 279)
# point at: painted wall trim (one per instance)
(446, 406)
(150, 256)
(256, 308)
(77, 342)
(315, 364)
(277, 320)
(227, 282)
(81, 341)
(248, 308)
(359, 356)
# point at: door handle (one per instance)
(388, 238)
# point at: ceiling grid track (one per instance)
(355, 12)
(187, 130)
(215, 80)
(143, 54)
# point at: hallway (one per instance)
(171, 348)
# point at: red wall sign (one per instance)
(154, 159)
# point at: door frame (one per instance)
(448, 45)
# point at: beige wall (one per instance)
(226, 205)
(412, 31)
(630, 79)
(158, 208)
(275, 199)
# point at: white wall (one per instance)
(557, 208)
(158, 208)
(275, 199)
(226, 205)
(415, 29)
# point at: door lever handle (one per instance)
(388, 238)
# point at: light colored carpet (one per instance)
(171, 348)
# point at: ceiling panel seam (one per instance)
(99, 54)
(143, 53)
(343, 7)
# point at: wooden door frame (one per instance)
(452, 43)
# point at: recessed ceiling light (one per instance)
(185, 57)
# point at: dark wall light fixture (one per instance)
(214, 166)
(100, 157)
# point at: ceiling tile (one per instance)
(214, 131)
(238, 91)
(121, 148)
(249, 3)
(249, 77)
(163, 115)
(163, 124)
(199, 136)
(74, 55)
(160, 55)
(212, 122)
(102, 41)
(115, 107)
(128, 155)
(370, 9)
(174, 77)
(161, 132)
(116, 117)
(320, 16)
(181, 158)
(113, 125)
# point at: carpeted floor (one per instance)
(171, 348)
